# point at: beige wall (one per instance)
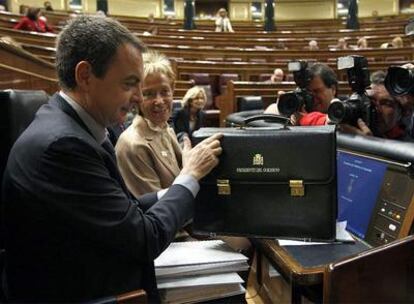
(305, 9)
(384, 7)
(179, 9)
(15, 4)
(139, 8)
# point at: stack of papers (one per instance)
(189, 272)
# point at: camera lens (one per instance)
(343, 112)
(336, 112)
(288, 103)
(399, 81)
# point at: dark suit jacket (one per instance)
(73, 232)
(182, 121)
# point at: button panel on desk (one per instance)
(391, 208)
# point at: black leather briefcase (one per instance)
(271, 182)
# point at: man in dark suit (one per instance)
(73, 231)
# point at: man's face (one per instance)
(322, 95)
(156, 104)
(277, 76)
(112, 96)
(388, 109)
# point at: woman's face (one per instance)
(157, 93)
(198, 102)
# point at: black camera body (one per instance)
(358, 105)
(293, 101)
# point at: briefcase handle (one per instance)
(269, 117)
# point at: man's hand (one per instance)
(201, 159)
(361, 129)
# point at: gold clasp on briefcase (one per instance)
(223, 186)
(296, 188)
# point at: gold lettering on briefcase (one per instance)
(296, 188)
(223, 187)
(258, 160)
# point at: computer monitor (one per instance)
(359, 183)
(375, 187)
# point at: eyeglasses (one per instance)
(152, 94)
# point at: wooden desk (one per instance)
(302, 266)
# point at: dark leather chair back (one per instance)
(203, 80)
(264, 77)
(17, 110)
(248, 103)
(381, 275)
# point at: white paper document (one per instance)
(174, 271)
(196, 253)
(203, 280)
(342, 236)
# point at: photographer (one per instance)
(308, 105)
(388, 113)
(399, 83)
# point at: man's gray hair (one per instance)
(378, 78)
(91, 39)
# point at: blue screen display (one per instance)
(359, 183)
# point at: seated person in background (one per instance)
(223, 23)
(375, 15)
(151, 18)
(33, 22)
(169, 19)
(48, 6)
(281, 46)
(323, 86)
(362, 43)
(100, 13)
(389, 113)
(191, 117)
(148, 153)
(312, 46)
(277, 75)
(397, 42)
(342, 45)
(152, 31)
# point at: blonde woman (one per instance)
(148, 154)
(223, 23)
(191, 116)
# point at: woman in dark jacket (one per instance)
(191, 116)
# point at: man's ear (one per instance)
(83, 74)
(334, 90)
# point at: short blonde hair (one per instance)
(157, 63)
(191, 94)
(397, 42)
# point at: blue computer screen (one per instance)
(359, 183)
